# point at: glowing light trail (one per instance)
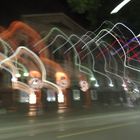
(77, 58)
(109, 32)
(21, 85)
(120, 6)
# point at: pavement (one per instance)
(95, 109)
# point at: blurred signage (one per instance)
(76, 95)
(35, 83)
(84, 85)
(62, 82)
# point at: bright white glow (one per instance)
(26, 74)
(96, 85)
(111, 85)
(32, 98)
(92, 78)
(125, 88)
(51, 99)
(136, 90)
(124, 85)
(60, 98)
(122, 4)
(18, 75)
(14, 79)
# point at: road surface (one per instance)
(103, 126)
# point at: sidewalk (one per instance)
(64, 112)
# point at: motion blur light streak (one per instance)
(122, 4)
(105, 66)
(93, 66)
(109, 52)
(6, 47)
(77, 58)
(20, 27)
(23, 86)
(109, 32)
(54, 29)
(122, 77)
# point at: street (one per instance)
(118, 125)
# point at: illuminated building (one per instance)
(54, 66)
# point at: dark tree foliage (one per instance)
(87, 8)
(97, 11)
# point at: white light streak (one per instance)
(32, 98)
(121, 5)
(82, 68)
(26, 74)
(60, 98)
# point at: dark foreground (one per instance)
(72, 125)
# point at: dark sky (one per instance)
(11, 10)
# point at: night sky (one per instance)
(12, 10)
